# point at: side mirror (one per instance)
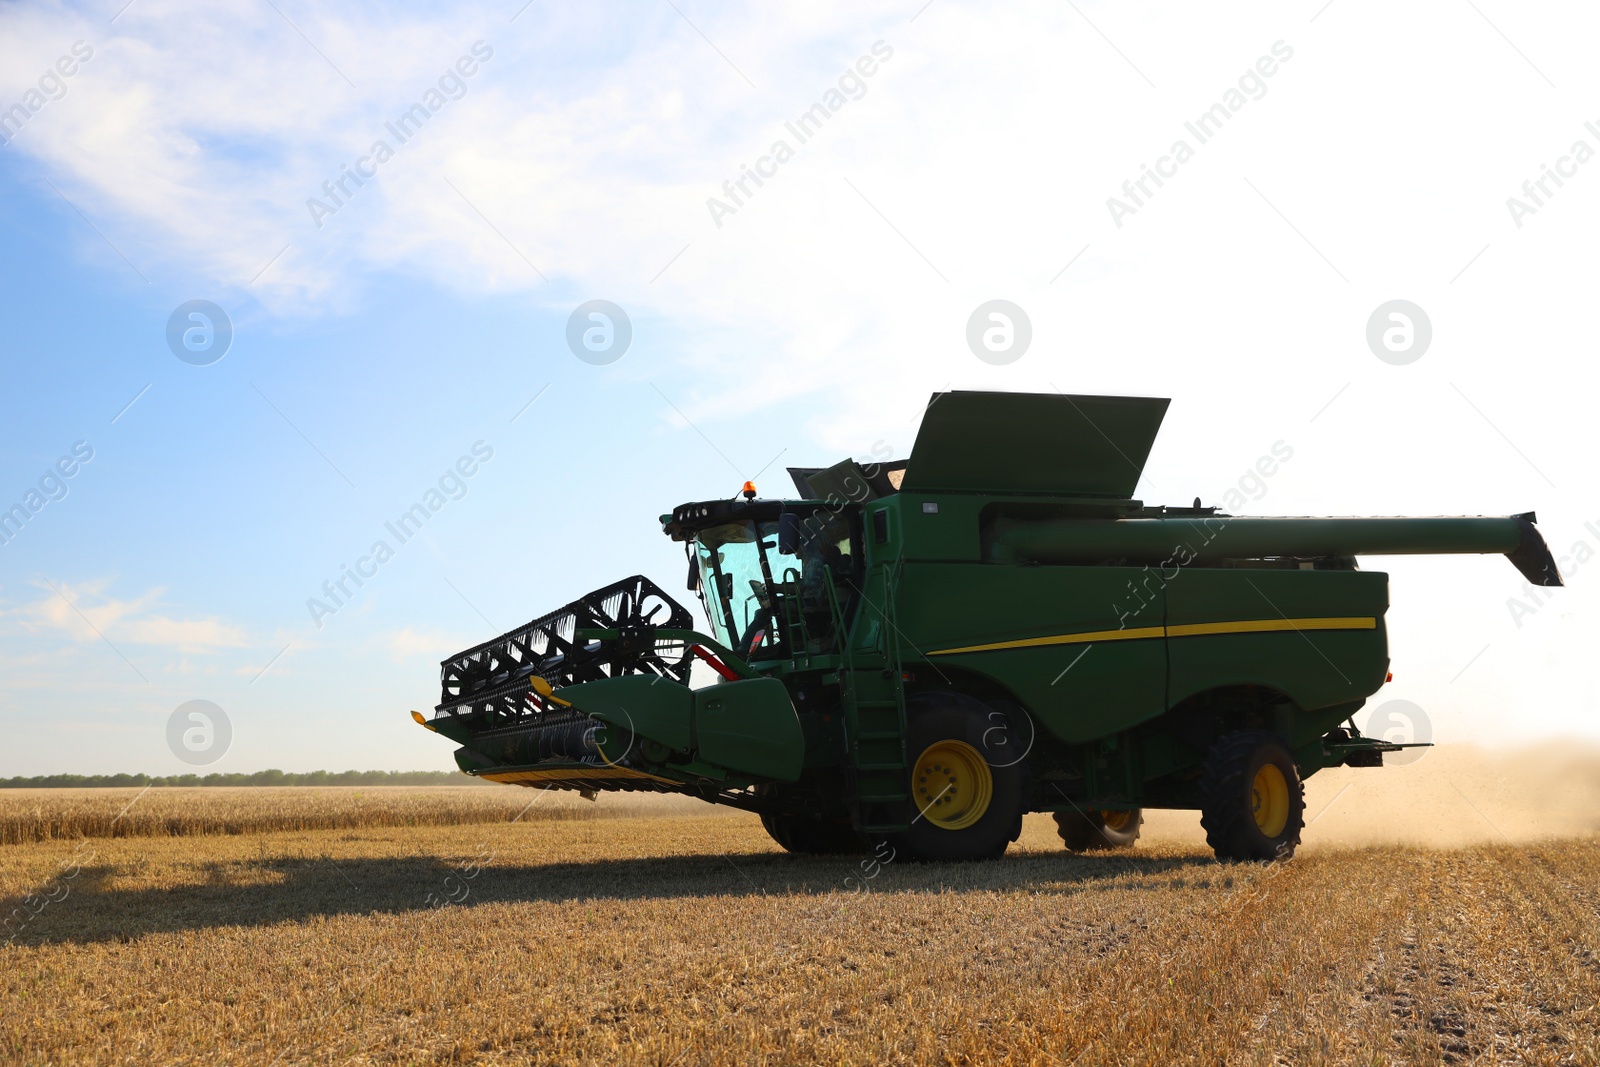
(789, 533)
(694, 576)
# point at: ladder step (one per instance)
(876, 725)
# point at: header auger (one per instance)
(924, 651)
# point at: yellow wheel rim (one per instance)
(952, 785)
(1269, 800)
(1116, 820)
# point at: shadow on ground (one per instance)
(275, 890)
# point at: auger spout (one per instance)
(1217, 538)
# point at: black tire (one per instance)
(946, 826)
(804, 833)
(1095, 831)
(812, 837)
(1245, 817)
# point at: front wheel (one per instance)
(966, 787)
(805, 834)
(1253, 803)
(1093, 831)
(811, 837)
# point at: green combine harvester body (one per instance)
(922, 652)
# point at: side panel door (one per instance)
(1316, 635)
(750, 726)
(1081, 647)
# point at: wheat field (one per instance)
(667, 934)
(28, 815)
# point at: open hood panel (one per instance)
(1033, 443)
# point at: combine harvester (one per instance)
(924, 651)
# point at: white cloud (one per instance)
(195, 139)
(409, 643)
(85, 612)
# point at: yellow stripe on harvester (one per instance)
(1060, 639)
(1248, 626)
(1257, 626)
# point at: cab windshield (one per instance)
(738, 562)
(765, 593)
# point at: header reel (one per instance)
(494, 679)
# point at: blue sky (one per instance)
(974, 162)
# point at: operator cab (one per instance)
(776, 578)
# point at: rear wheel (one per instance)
(1090, 831)
(966, 785)
(1252, 800)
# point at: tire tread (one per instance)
(1230, 830)
(1082, 831)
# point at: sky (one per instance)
(1314, 162)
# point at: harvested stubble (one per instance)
(690, 940)
(31, 815)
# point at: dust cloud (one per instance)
(1452, 795)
